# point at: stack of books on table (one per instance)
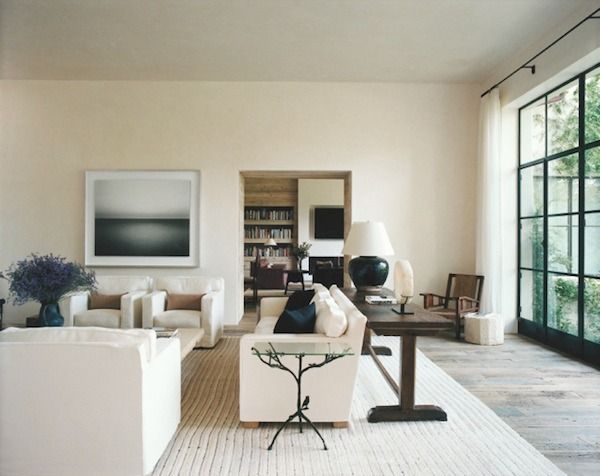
(165, 331)
(380, 300)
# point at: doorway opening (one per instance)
(280, 210)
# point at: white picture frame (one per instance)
(144, 218)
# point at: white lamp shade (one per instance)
(270, 242)
(404, 288)
(368, 238)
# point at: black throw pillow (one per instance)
(297, 321)
(299, 299)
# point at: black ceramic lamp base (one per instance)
(368, 273)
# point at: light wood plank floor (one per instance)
(551, 400)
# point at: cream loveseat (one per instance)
(210, 318)
(269, 395)
(86, 401)
(75, 307)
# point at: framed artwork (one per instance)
(142, 218)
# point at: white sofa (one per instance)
(86, 401)
(210, 318)
(75, 307)
(269, 395)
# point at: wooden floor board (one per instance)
(550, 399)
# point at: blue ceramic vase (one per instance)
(50, 315)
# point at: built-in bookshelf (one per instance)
(270, 211)
(264, 222)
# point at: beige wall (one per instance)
(411, 148)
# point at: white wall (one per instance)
(315, 193)
(563, 60)
(411, 149)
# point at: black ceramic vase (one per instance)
(368, 273)
(50, 315)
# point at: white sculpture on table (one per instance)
(404, 287)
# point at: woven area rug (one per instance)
(474, 440)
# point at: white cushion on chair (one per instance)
(99, 318)
(178, 318)
(145, 338)
(266, 325)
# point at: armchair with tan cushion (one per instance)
(187, 302)
(463, 296)
(116, 303)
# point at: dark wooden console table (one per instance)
(383, 321)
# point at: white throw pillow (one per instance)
(331, 320)
(321, 293)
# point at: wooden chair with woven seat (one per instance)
(463, 295)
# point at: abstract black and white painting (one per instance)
(142, 218)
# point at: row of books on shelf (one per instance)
(282, 252)
(259, 232)
(268, 214)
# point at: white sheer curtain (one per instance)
(489, 238)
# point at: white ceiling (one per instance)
(272, 40)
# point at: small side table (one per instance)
(487, 329)
(270, 355)
(294, 276)
(32, 321)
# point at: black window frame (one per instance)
(575, 345)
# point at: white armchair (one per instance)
(209, 318)
(91, 401)
(75, 307)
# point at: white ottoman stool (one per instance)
(484, 330)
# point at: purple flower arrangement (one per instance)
(46, 279)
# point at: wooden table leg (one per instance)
(408, 372)
(406, 410)
(378, 349)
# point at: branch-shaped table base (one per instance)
(272, 358)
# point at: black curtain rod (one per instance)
(526, 65)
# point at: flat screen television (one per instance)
(329, 223)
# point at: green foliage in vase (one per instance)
(301, 251)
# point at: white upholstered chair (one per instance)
(268, 395)
(86, 401)
(76, 310)
(210, 317)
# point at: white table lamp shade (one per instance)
(368, 238)
(270, 242)
(404, 288)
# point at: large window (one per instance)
(559, 217)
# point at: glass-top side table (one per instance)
(270, 354)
